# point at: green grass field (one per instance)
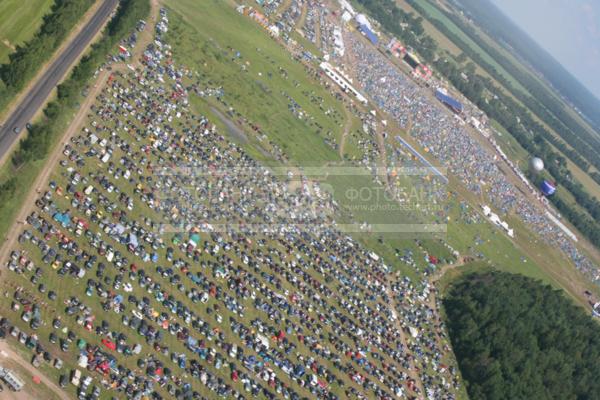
(267, 89)
(253, 83)
(19, 20)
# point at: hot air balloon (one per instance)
(548, 188)
(536, 164)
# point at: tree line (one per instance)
(37, 143)
(498, 26)
(540, 100)
(515, 338)
(515, 118)
(27, 59)
(392, 18)
(474, 88)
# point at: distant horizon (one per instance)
(569, 32)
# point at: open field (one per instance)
(18, 22)
(169, 254)
(288, 122)
(443, 41)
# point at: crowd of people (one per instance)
(445, 137)
(166, 224)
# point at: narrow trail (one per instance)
(302, 18)
(346, 131)
(53, 159)
(432, 303)
(285, 4)
(318, 33)
(382, 162)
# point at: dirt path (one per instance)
(318, 31)
(445, 268)
(346, 131)
(7, 352)
(285, 4)
(302, 19)
(53, 159)
(74, 127)
(432, 303)
(8, 44)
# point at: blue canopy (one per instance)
(449, 101)
(368, 33)
(63, 219)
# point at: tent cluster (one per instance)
(186, 268)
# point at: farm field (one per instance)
(435, 13)
(18, 22)
(583, 178)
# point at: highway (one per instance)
(40, 91)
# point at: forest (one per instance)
(37, 144)
(24, 63)
(516, 338)
(499, 26)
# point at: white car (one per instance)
(127, 287)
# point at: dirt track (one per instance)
(7, 353)
(28, 203)
(40, 183)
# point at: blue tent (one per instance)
(133, 240)
(451, 102)
(192, 342)
(63, 219)
(299, 371)
(368, 33)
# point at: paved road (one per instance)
(38, 94)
